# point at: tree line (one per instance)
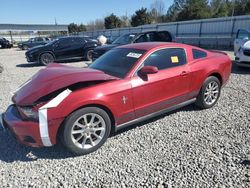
(180, 10)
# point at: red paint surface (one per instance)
(160, 90)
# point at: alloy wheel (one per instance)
(47, 58)
(211, 93)
(88, 130)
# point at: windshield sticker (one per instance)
(134, 55)
(174, 59)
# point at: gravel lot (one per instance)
(185, 148)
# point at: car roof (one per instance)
(152, 45)
(66, 37)
(144, 32)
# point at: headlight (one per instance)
(29, 112)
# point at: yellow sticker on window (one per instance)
(174, 59)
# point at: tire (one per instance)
(25, 47)
(209, 93)
(1, 69)
(89, 54)
(46, 58)
(81, 138)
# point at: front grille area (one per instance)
(246, 52)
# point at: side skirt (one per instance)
(149, 116)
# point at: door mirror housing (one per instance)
(148, 70)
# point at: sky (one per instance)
(67, 11)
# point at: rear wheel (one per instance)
(25, 47)
(89, 54)
(209, 93)
(46, 58)
(85, 130)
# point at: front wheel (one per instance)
(85, 130)
(209, 93)
(46, 58)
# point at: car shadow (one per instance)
(11, 150)
(18, 49)
(28, 65)
(35, 64)
(239, 70)
(188, 108)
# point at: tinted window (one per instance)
(78, 40)
(65, 42)
(164, 36)
(152, 37)
(52, 42)
(198, 54)
(142, 38)
(243, 34)
(39, 39)
(117, 62)
(124, 39)
(166, 58)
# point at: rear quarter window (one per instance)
(197, 54)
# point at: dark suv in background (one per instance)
(150, 36)
(4, 43)
(64, 48)
(32, 42)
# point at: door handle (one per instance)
(184, 73)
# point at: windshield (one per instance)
(124, 39)
(117, 62)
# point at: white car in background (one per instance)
(242, 48)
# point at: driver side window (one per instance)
(65, 42)
(166, 58)
(142, 38)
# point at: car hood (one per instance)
(35, 48)
(54, 78)
(246, 45)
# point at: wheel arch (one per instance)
(103, 107)
(217, 75)
(86, 49)
(50, 52)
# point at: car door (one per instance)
(79, 44)
(64, 49)
(169, 86)
(242, 36)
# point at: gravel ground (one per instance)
(185, 148)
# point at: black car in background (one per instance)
(4, 43)
(150, 36)
(32, 42)
(64, 48)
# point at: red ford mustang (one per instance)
(80, 106)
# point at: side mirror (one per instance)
(148, 70)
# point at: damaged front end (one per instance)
(29, 118)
